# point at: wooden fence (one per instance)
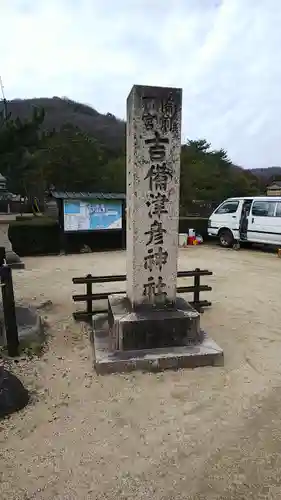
(90, 298)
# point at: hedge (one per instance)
(41, 236)
(36, 236)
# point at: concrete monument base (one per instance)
(206, 353)
(150, 328)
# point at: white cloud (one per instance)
(224, 53)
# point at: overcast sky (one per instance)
(225, 54)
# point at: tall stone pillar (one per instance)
(150, 327)
(156, 317)
(153, 175)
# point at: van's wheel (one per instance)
(226, 238)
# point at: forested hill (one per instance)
(58, 142)
(106, 129)
(268, 174)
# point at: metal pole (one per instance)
(4, 100)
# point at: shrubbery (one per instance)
(36, 236)
(41, 236)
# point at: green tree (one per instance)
(72, 160)
(114, 175)
(19, 140)
(209, 175)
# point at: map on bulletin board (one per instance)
(92, 215)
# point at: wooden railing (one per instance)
(90, 298)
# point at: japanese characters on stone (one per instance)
(161, 114)
(158, 119)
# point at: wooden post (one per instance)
(9, 309)
(124, 225)
(2, 256)
(196, 298)
(62, 235)
(89, 300)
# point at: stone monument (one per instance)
(149, 326)
(13, 260)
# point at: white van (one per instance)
(254, 219)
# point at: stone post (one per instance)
(153, 175)
(150, 327)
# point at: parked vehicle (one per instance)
(250, 219)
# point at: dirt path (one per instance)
(209, 433)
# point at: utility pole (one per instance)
(4, 99)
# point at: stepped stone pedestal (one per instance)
(150, 327)
(107, 359)
(12, 259)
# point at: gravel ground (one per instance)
(208, 433)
